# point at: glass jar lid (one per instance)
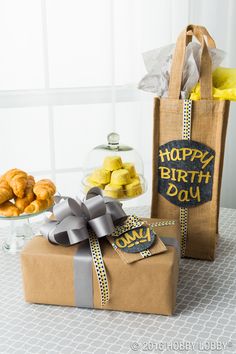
(113, 144)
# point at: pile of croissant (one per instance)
(19, 193)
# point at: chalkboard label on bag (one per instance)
(185, 172)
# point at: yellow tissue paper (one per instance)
(224, 85)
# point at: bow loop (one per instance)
(102, 225)
(116, 211)
(93, 192)
(94, 207)
(67, 208)
(73, 219)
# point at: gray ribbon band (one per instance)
(83, 277)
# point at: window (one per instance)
(68, 76)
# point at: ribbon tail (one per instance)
(100, 269)
(83, 276)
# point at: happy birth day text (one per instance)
(187, 177)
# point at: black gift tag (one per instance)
(136, 240)
(185, 172)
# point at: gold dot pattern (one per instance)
(100, 268)
(146, 253)
(187, 109)
(186, 135)
(183, 228)
(131, 222)
(163, 223)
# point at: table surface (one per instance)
(205, 318)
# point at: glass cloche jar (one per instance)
(116, 169)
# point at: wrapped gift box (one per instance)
(148, 285)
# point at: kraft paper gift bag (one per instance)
(188, 151)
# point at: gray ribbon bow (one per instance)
(74, 219)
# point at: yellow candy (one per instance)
(134, 188)
(136, 178)
(92, 183)
(113, 191)
(120, 177)
(101, 176)
(130, 167)
(112, 163)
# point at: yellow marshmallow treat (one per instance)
(136, 178)
(134, 188)
(101, 176)
(130, 167)
(120, 177)
(112, 163)
(92, 183)
(113, 191)
(117, 179)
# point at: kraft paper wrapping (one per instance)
(148, 285)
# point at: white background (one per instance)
(68, 76)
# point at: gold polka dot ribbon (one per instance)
(187, 111)
(163, 223)
(99, 268)
(186, 135)
(131, 222)
(146, 253)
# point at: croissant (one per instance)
(22, 203)
(38, 205)
(6, 193)
(44, 189)
(9, 209)
(17, 180)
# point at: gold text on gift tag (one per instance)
(136, 240)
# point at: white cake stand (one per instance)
(20, 228)
(18, 231)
